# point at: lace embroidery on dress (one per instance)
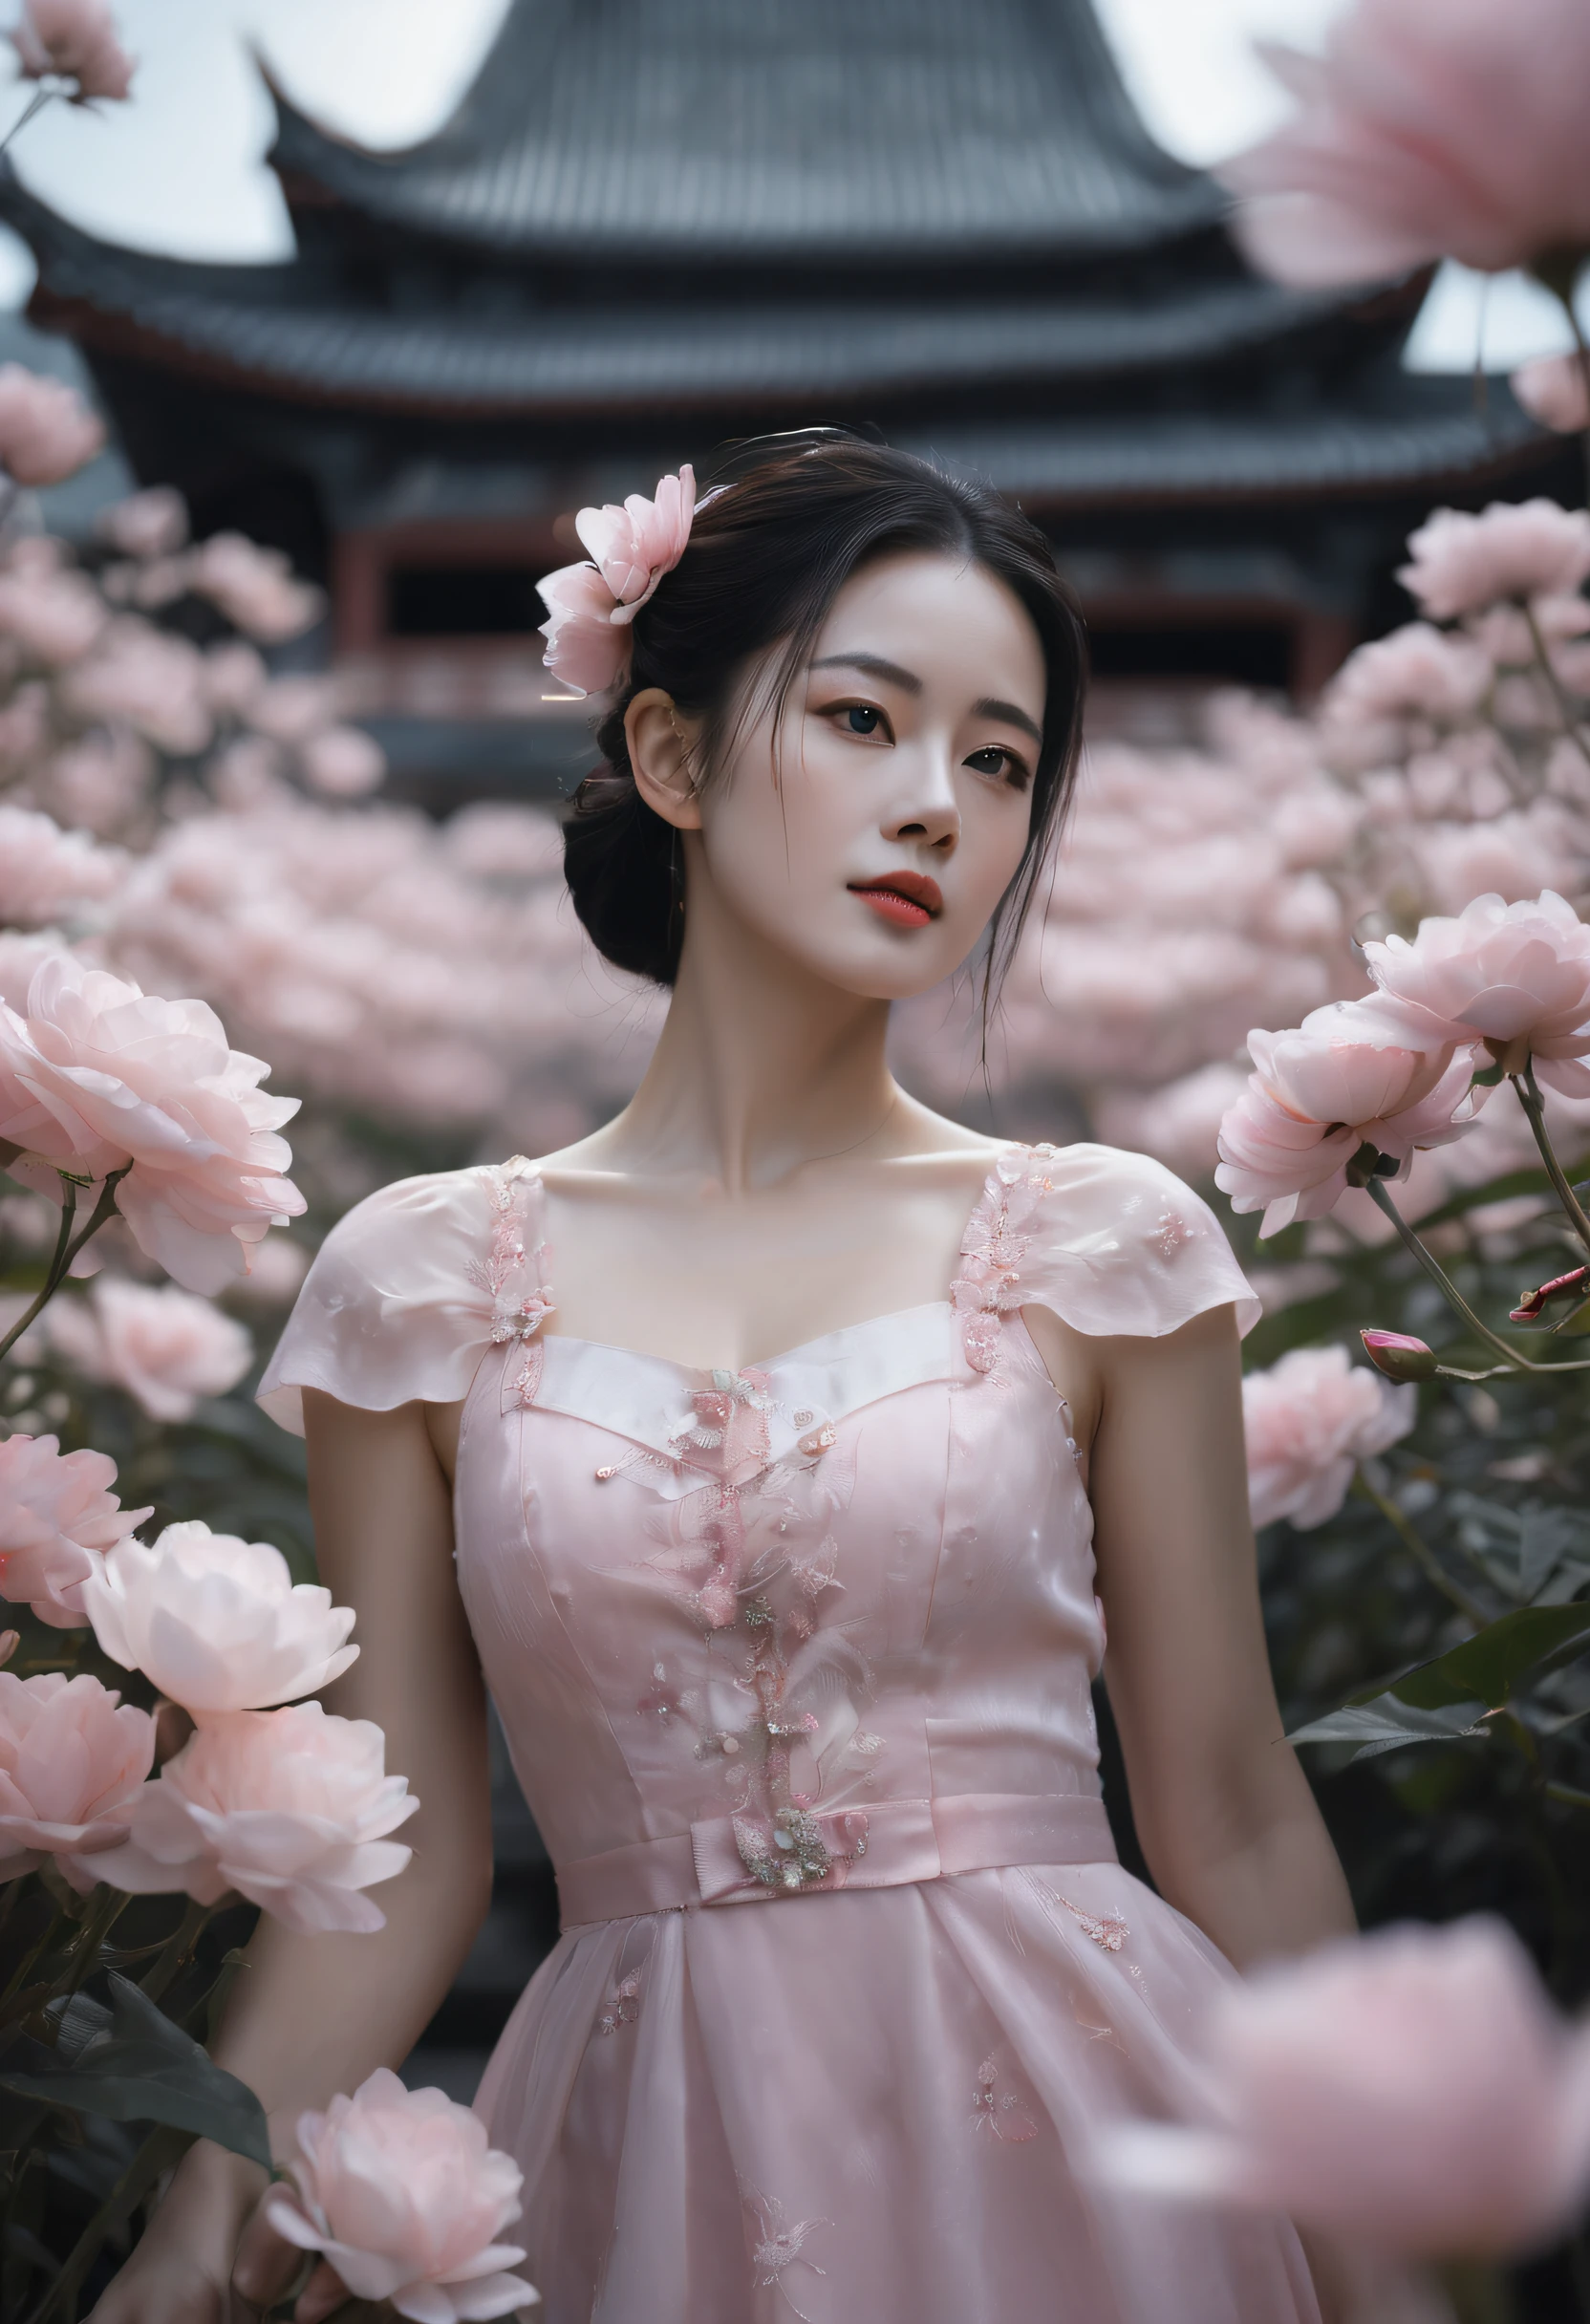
(623, 2005)
(988, 1284)
(519, 1305)
(780, 2244)
(999, 2114)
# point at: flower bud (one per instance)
(1530, 1303)
(1399, 1355)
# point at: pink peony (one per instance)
(166, 1347)
(291, 709)
(151, 681)
(1417, 672)
(583, 647)
(216, 1623)
(344, 763)
(276, 1270)
(1343, 1079)
(592, 606)
(57, 1519)
(44, 871)
(74, 40)
(1513, 975)
(290, 1807)
(254, 587)
(97, 783)
(234, 679)
(402, 2193)
(1462, 564)
(145, 525)
(1310, 1419)
(47, 431)
(1412, 2089)
(53, 618)
(73, 1760)
(1425, 131)
(1552, 388)
(94, 1075)
(631, 548)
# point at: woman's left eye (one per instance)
(998, 761)
(861, 718)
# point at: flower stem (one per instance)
(159, 2149)
(1421, 1554)
(1563, 700)
(36, 104)
(176, 1951)
(1568, 1794)
(67, 1248)
(1529, 1096)
(1380, 1195)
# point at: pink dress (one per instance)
(794, 1663)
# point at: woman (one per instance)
(794, 1648)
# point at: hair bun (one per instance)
(618, 859)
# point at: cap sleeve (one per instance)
(397, 1305)
(1110, 1242)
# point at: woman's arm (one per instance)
(314, 2016)
(1224, 1813)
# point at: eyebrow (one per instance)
(1007, 712)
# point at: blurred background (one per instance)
(391, 288)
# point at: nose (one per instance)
(926, 808)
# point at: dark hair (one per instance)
(767, 556)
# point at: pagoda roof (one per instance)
(903, 130)
(295, 328)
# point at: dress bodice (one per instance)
(829, 1619)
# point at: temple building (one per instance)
(652, 225)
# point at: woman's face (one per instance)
(873, 842)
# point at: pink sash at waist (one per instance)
(742, 1860)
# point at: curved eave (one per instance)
(566, 197)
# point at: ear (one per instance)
(661, 750)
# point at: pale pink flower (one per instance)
(166, 1348)
(57, 1519)
(1178, 1123)
(101, 780)
(1513, 975)
(44, 871)
(234, 679)
(591, 607)
(632, 547)
(1413, 2090)
(290, 1808)
(402, 2193)
(153, 680)
(73, 1760)
(254, 587)
(53, 618)
(292, 708)
(584, 649)
(149, 524)
(47, 431)
(75, 39)
(1461, 564)
(24, 725)
(1552, 390)
(277, 1269)
(96, 1075)
(1417, 672)
(216, 1623)
(1309, 1420)
(1343, 1079)
(21, 958)
(1449, 131)
(345, 763)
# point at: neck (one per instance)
(761, 1066)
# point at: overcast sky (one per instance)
(180, 168)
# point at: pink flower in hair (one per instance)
(592, 606)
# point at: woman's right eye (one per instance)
(863, 718)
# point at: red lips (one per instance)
(909, 899)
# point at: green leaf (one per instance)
(1387, 1724)
(141, 2068)
(1490, 1666)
